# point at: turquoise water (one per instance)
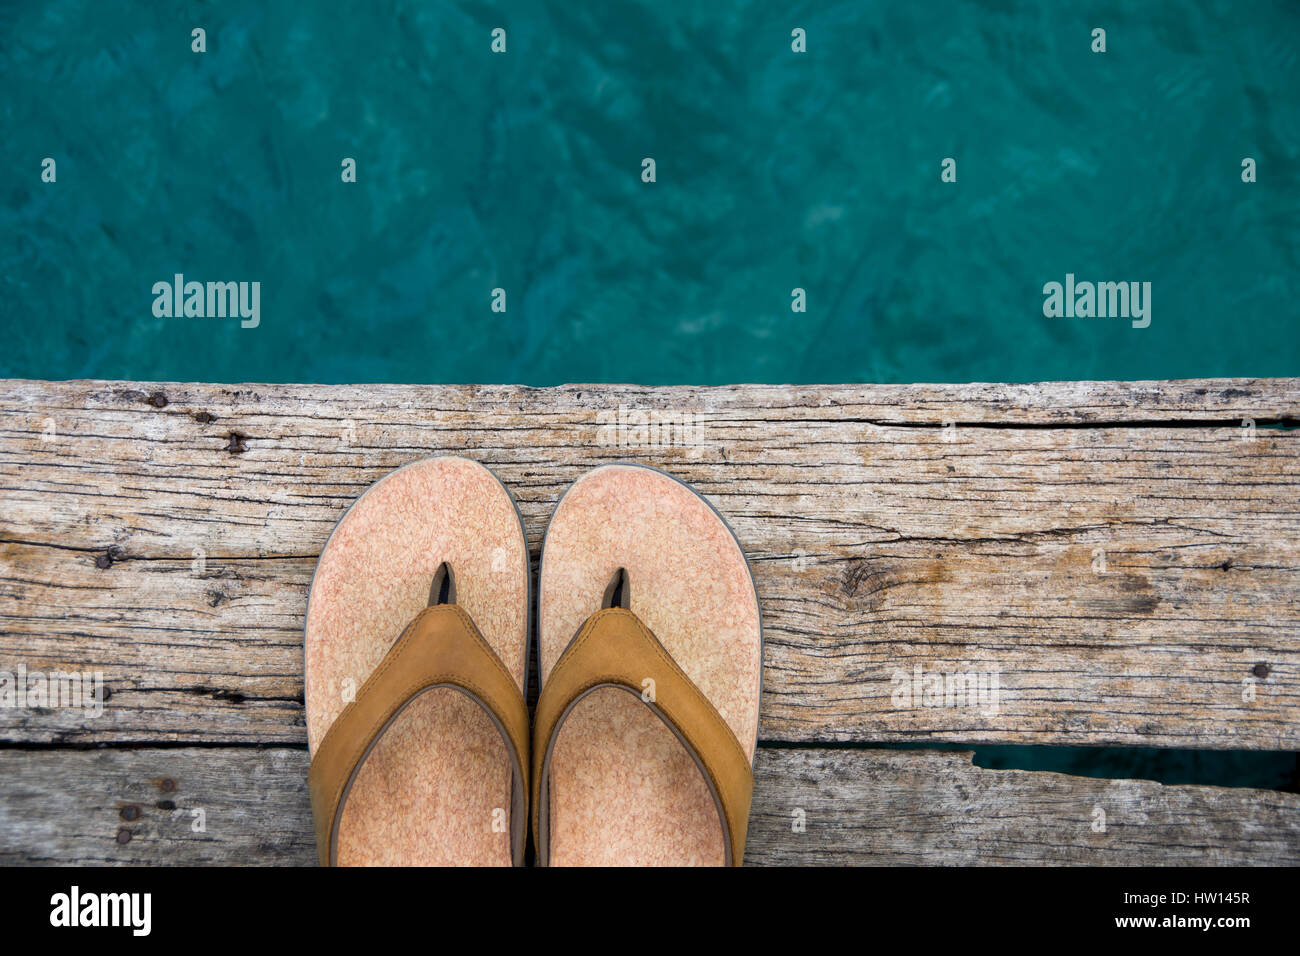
(775, 170)
(1265, 770)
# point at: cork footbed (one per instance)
(435, 789)
(623, 788)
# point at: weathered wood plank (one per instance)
(881, 541)
(932, 807)
(183, 806)
(116, 806)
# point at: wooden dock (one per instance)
(1122, 558)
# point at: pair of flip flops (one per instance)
(417, 646)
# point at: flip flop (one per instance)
(651, 666)
(416, 645)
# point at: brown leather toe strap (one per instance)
(614, 649)
(440, 648)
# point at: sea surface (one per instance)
(775, 170)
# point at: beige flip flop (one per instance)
(651, 666)
(416, 645)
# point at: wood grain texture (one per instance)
(165, 534)
(898, 808)
(128, 806)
